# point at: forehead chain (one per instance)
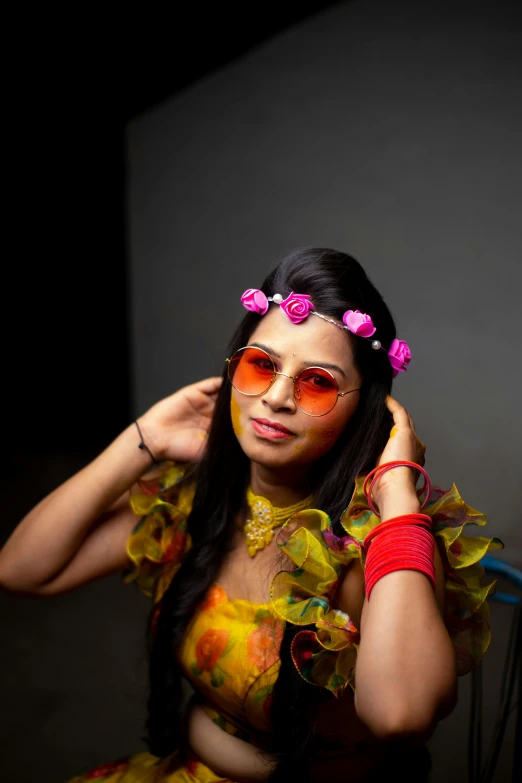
(298, 307)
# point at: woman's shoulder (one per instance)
(458, 555)
(328, 569)
(157, 544)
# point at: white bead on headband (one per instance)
(299, 306)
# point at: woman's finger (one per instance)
(400, 414)
(209, 385)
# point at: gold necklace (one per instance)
(264, 517)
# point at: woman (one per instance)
(264, 617)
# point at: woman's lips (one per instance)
(271, 429)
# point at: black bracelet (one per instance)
(143, 445)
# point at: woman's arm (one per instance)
(88, 510)
(406, 668)
(225, 754)
(78, 533)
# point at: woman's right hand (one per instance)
(79, 531)
(176, 428)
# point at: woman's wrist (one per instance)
(149, 434)
(396, 499)
(396, 480)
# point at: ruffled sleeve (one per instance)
(466, 611)
(159, 540)
(326, 656)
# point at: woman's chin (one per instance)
(278, 454)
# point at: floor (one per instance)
(73, 684)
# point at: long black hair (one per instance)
(336, 283)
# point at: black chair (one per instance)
(479, 770)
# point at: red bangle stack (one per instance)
(404, 543)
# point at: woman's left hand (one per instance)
(403, 444)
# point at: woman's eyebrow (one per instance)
(326, 365)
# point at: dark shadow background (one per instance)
(73, 670)
(77, 84)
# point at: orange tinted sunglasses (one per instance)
(252, 372)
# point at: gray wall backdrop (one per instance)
(388, 130)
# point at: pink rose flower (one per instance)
(255, 300)
(297, 307)
(359, 323)
(399, 356)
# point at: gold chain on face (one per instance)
(264, 517)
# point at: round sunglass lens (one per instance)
(251, 371)
(315, 391)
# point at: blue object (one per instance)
(496, 566)
(505, 598)
(511, 687)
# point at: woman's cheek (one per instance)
(235, 413)
(320, 436)
(316, 441)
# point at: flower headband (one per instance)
(299, 306)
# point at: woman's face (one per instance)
(292, 348)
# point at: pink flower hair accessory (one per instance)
(359, 323)
(299, 306)
(399, 355)
(255, 300)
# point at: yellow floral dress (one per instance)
(230, 653)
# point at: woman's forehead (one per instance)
(312, 341)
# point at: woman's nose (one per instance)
(281, 393)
